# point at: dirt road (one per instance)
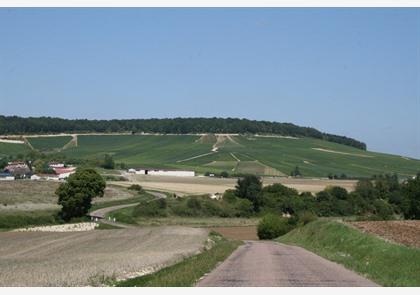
(100, 214)
(270, 264)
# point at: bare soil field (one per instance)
(89, 258)
(405, 232)
(204, 185)
(28, 195)
(237, 232)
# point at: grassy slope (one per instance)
(187, 272)
(11, 149)
(282, 154)
(48, 143)
(386, 263)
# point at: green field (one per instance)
(386, 263)
(49, 143)
(12, 149)
(237, 154)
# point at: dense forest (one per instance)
(44, 125)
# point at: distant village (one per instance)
(20, 170)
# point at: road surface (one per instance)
(100, 214)
(270, 264)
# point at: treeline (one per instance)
(46, 125)
(380, 198)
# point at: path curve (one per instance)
(100, 214)
(271, 264)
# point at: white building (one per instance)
(35, 177)
(182, 173)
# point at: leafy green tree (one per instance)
(224, 174)
(250, 187)
(272, 226)
(411, 190)
(75, 196)
(296, 172)
(108, 162)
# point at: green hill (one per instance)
(237, 154)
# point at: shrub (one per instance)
(307, 217)
(150, 209)
(136, 187)
(272, 226)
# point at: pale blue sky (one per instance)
(353, 72)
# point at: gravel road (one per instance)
(270, 264)
(101, 213)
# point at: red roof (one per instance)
(63, 170)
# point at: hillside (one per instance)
(47, 125)
(236, 154)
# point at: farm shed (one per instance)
(160, 172)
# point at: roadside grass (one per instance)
(135, 199)
(384, 262)
(104, 226)
(12, 220)
(187, 272)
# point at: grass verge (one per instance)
(11, 220)
(187, 272)
(106, 226)
(386, 263)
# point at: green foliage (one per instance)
(250, 188)
(19, 125)
(386, 263)
(296, 172)
(26, 219)
(108, 162)
(224, 174)
(75, 196)
(272, 226)
(411, 191)
(155, 208)
(136, 187)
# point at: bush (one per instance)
(307, 217)
(272, 226)
(150, 209)
(136, 187)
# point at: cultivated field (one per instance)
(204, 185)
(90, 258)
(272, 156)
(49, 143)
(405, 232)
(27, 195)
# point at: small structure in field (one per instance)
(17, 169)
(56, 165)
(162, 172)
(216, 196)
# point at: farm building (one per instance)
(6, 176)
(17, 169)
(56, 165)
(160, 172)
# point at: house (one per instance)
(56, 165)
(17, 168)
(6, 176)
(63, 173)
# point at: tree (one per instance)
(296, 172)
(272, 226)
(411, 190)
(224, 174)
(249, 187)
(75, 196)
(108, 162)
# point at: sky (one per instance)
(352, 72)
